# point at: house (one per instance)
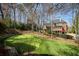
(58, 26)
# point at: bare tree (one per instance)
(1, 10)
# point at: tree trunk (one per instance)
(14, 18)
(2, 14)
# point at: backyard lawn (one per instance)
(29, 43)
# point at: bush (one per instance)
(48, 31)
(2, 26)
(28, 26)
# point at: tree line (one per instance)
(35, 15)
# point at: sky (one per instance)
(67, 17)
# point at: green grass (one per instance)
(31, 43)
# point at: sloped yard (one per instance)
(31, 44)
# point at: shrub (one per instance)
(48, 31)
(2, 26)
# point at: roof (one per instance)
(57, 21)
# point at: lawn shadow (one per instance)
(71, 51)
(74, 50)
(39, 55)
(26, 50)
(22, 48)
(3, 39)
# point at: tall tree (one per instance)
(1, 10)
(13, 7)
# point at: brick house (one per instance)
(58, 26)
